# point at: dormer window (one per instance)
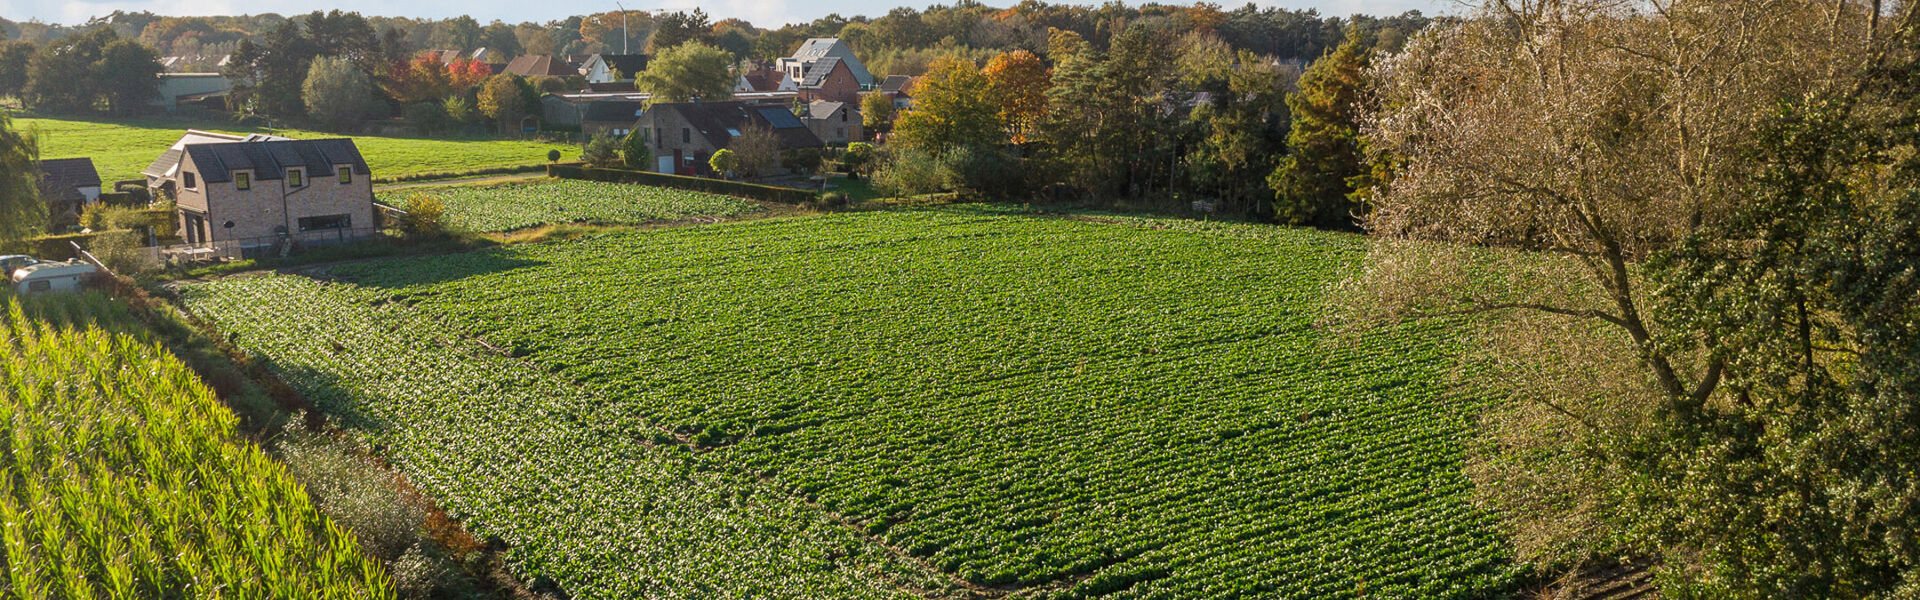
(242, 181)
(294, 178)
(346, 174)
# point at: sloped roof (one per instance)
(714, 120)
(63, 175)
(896, 83)
(164, 166)
(764, 80)
(815, 47)
(817, 74)
(823, 109)
(269, 160)
(536, 65)
(613, 110)
(626, 64)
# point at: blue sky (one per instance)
(763, 13)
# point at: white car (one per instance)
(12, 262)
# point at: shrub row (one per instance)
(456, 174)
(715, 186)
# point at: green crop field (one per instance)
(120, 149)
(509, 206)
(123, 477)
(938, 403)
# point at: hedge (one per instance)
(53, 247)
(701, 184)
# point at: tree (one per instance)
(458, 33)
(127, 75)
(459, 110)
(856, 159)
(949, 110)
(22, 214)
(267, 76)
(52, 84)
(1107, 114)
(501, 99)
(1242, 132)
(337, 93)
(1323, 147)
(14, 57)
(687, 72)
(634, 151)
(678, 28)
(1017, 82)
(876, 112)
(724, 162)
(757, 150)
(1702, 225)
(601, 151)
(427, 118)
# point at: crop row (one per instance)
(521, 455)
(1057, 405)
(509, 206)
(122, 476)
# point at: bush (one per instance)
(601, 151)
(354, 492)
(908, 172)
(833, 199)
(982, 172)
(634, 152)
(425, 217)
(427, 118)
(856, 159)
(724, 162)
(803, 161)
(553, 156)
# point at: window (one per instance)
(659, 137)
(840, 131)
(346, 174)
(43, 285)
(293, 178)
(843, 115)
(188, 180)
(242, 181)
(326, 222)
(733, 132)
(686, 135)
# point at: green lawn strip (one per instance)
(121, 148)
(521, 204)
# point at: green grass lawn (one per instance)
(121, 148)
(1057, 407)
(521, 204)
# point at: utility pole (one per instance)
(626, 39)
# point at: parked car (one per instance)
(52, 276)
(11, 262)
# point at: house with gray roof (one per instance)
(836, 123)
(684, 135)
(262, 193)
(813, 50)
(160, 173)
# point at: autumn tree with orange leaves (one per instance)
(1017, 82)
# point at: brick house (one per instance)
(836, 123)
(684, 135)
(831, 80)
(257, 193)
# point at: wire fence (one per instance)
(254, 247)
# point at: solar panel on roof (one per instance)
(780, 118)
